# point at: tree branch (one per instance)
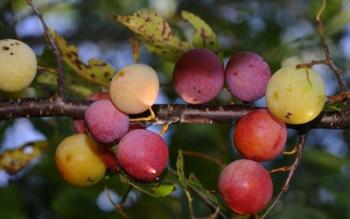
(293, 168)
(165, 113)
(328, 59)
(50, 40)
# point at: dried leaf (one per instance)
(14, 160)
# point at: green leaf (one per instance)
(156, 33)
(180, 169)
(204, 36)
(96, 71)
(336, 106)
(73, 82)
(195, 184)
(155, 189)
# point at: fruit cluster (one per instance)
(293, 96)
(141, 153)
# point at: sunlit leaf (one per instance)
(14, 160)
(73, 82)
(155, 189)
(180, 169)
(95, 71)
(156, 33)
(204, 36)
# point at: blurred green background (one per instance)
(283, 32)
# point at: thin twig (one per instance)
(190, 205)
(135, 44)
(204, 156)
(46, 69)
(208, 203)
(299, 146)
(215, 214)
(281, 169)
(50, 39)
(328, 59)
(119, 208)
(203, 198)
(125, 197)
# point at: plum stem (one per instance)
(291, 152)
(164, 129)
(135, 44)
(152, 116)
(281, 169)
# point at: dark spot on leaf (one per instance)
(164, 28)
(106, 74)
(148, 19)
(6, 48)
(11, 53)
(203, 35)
(93, 75)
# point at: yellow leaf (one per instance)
(14, 160)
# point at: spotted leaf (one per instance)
(204, 36)
(156, 33)
(96, 71)
(14, 160)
